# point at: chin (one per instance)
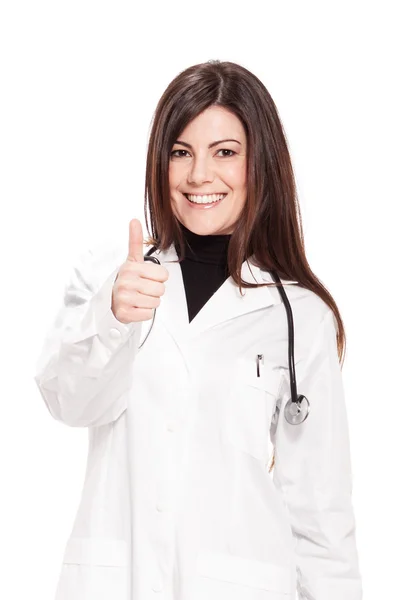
(212, 230)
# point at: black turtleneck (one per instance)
(204, 268)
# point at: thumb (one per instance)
(135, 252)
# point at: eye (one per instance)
(227, 150)
(173, 153)
(177, 155)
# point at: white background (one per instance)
(79, 84)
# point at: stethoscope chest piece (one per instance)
(296, 412)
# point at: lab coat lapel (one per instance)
(226, 303)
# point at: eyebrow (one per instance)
(209, 145)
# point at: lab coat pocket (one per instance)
(222, 575)
(94, 569)
(249, 406)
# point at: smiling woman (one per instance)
(177, 496)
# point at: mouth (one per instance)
(208, 200)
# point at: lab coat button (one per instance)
(115, 334)
(159, 507)
(157, 586)
(171, 425)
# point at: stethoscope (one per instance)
(296, 411)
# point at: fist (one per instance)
(139, 284)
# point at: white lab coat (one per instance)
(177, 502)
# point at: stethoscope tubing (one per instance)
(298, 409)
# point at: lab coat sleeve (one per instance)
(83, 371)
(313, 474)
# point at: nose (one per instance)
(200, 171)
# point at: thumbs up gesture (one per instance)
(139, 284)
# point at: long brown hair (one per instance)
(269, 228)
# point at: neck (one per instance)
(212, 249)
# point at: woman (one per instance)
(178, 501)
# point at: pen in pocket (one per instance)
(260, 357)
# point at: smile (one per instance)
(204, 199)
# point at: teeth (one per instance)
(205, 199)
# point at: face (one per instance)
(201, 164)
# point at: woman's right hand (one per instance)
(139, 284)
